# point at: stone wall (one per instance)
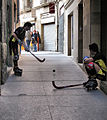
(3, 44)
(104, 38)
(86, 27)
(4, 65)
(6, 32)
(0, 64)
(95, 21)
(0, 35)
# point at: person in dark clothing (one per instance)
(34, 41)
(18, 38)
(38, 40)
(28, 38)
(96, 64)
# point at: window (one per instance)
(29, 3)
(43, 1)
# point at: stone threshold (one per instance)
(103, 86)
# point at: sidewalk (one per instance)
(32, 96)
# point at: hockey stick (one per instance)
(37, 57)
(61, 87)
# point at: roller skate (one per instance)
(91, 84)
(17, 71)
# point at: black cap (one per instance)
(93, 47)
(28, 24)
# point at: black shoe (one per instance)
(17, 69)
(84, 84)
(90, 84)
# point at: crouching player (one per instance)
(95, 66)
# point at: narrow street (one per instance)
(32, 96)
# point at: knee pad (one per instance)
(90, 68)
(16, 57)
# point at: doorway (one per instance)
(80, 33)
(70, 35)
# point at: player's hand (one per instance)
(20, 42)
(26, 49)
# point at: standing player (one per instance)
(18, 38)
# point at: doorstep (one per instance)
(103, 86)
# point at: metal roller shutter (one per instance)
(49, 37)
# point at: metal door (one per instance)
(49, 37)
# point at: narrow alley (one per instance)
(32, 96)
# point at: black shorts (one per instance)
(13, 46)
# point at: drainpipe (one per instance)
(57, 15)
(0, 39)
(0, 69)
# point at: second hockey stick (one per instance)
(61, 87)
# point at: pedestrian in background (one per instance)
(28, 38)
(34, 41)
(38, 40)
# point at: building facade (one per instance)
(84, 23)
(38, 12)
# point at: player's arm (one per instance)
(15, 36)
(88, 60)
(17, 31)
(19, 41)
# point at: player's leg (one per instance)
(92, 73)
(16, 69)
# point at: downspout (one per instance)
(57, 8)
(0, 40)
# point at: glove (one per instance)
(85, 58)
(19, 42)
(26, 48)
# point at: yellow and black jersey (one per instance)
(100, 60)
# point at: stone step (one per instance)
(103, 86)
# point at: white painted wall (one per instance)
(36, 3)
(25, 17)
(73, 8)
(21, 3)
